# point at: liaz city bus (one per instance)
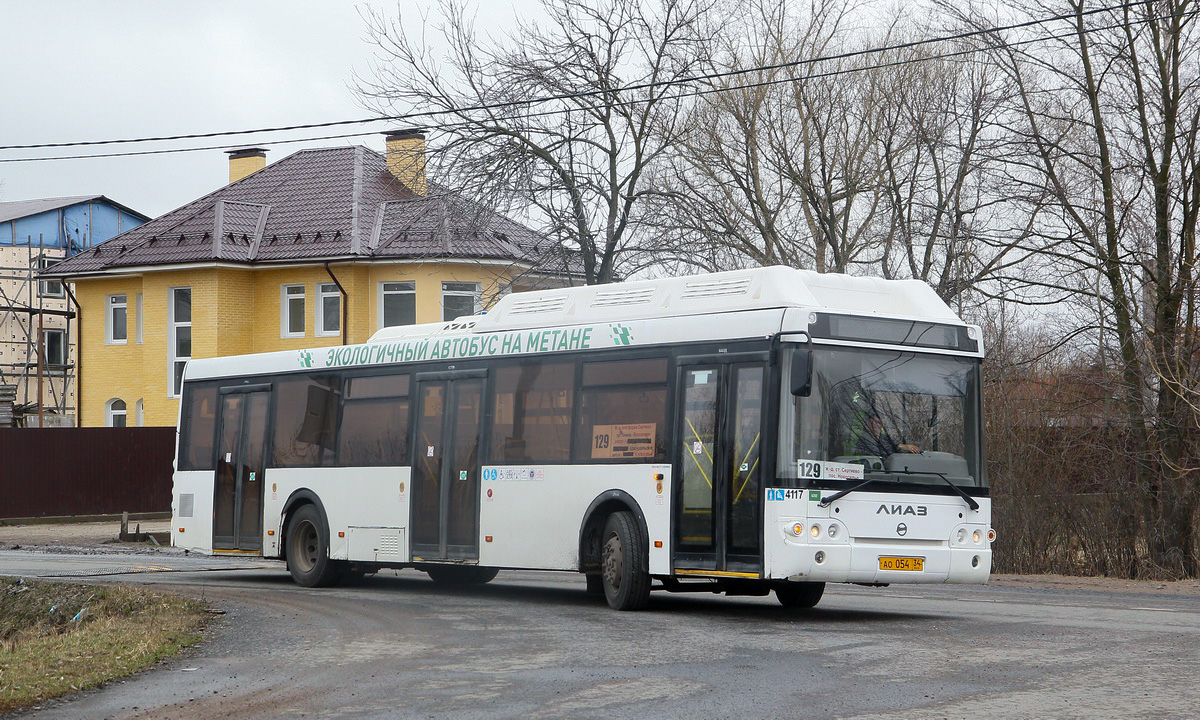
(745, 432)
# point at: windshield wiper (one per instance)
(827, 501)
(970, 500)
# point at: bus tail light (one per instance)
(819, 557)
(976, 536)
(798, 529)
(815, 531)
(991, 535)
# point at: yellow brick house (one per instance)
(323, 247)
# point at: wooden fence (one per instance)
(85, 471)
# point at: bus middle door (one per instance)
(720, 419)
(445, 476)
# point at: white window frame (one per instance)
(138, 319)
(411, 289)
(173, 326)
(476, 295)
(326, 290)
(111, 413)
(66, 352)
(285, 310)
(45, 287)
(140, 411)
(110, 305)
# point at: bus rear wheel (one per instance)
(308, 549)
(461, 574)
(622, 558)
(799, 594)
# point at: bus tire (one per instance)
(799, 594)
(623, 554)
(308, 549)
(461, 574)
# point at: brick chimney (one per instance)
(245, 162)
(406, 158)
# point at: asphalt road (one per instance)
(535, 645)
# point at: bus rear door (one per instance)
(241, 445)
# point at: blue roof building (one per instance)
(37, 340)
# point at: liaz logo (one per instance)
(621, 334)
(306, 358)
(920, 510)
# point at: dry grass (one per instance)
(58, 638)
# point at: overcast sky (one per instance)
(86, 70)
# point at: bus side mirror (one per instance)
(801, 373)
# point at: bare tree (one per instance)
(1109, 115)
(776, 164)
(578, 162)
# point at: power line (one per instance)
(633, 101)
(590, 93)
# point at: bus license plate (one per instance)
(902, 563)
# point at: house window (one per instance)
(460, 298)
(397, 303)
(54, 349)
(114, 413)
(179, 340)
(291, 311)
(140, 412)
(329, 310)
(138, 319)
(116, 322)
(49, 288)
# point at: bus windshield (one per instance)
(904, 417)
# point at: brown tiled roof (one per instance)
(320, 205)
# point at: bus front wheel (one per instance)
(622, 555)
(308, 549)
(799, 594)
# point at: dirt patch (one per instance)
(93, 534)
(1103, 584)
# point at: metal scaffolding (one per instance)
(37, 350)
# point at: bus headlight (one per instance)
(815, 531)
(962, 536)
(819, 557)
(976, 536)
(832, 531)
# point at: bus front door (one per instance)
(445, 507)
(718, 523)
(241, 444)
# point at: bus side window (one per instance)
(623, 412)
(534, 404)
(374, 427)
(305, 421)
(199, 427)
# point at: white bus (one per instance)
(741, 432)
